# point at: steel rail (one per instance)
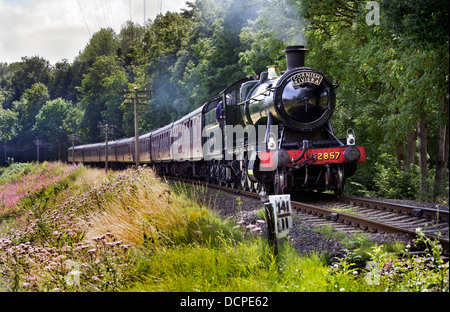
(438, 214)
(360, 222)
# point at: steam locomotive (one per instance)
(271, 134)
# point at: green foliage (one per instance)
(8, 124)
(390, 76)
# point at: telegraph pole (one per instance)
(38, 144)
(135, 99)
(5, 155)
(73, 138)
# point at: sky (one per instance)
(60, 29)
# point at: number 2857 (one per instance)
(328, 156)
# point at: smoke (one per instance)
(283, 20)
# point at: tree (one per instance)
(99, 94)
(102, 43)
(277, 24)
(62, 80)
(424, 25)
(29, 71)
(52, 121)
(8, 124)
(392, 76)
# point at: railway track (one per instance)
(364, 214)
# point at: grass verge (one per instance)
(130, 230)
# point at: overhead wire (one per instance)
(84, 18)
(111, 13)
(104, 14)
(131, 16)
(99, 22)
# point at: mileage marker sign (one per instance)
(282, 213)
(278, 218)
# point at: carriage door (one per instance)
(197, 137)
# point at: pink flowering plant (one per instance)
(26, 180)
(42, 246)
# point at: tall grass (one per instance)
(230, 266)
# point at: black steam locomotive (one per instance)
(272, 134)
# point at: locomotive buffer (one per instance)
(136, 98)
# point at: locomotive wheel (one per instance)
(246, 184)
(277, 181)
(235, 183)
(257, 187)
(211, 175)
(340, 179)
(244, 180)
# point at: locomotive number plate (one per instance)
(328, 156)
(304, 77)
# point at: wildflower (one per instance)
(193, 216)
(60, 257)
(91, 250)
(73, 278)
(66, 248)
(255, 229)
(342, 289)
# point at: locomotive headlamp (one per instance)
(350, 137)
(272, 142)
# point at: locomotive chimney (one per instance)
(295, 56)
